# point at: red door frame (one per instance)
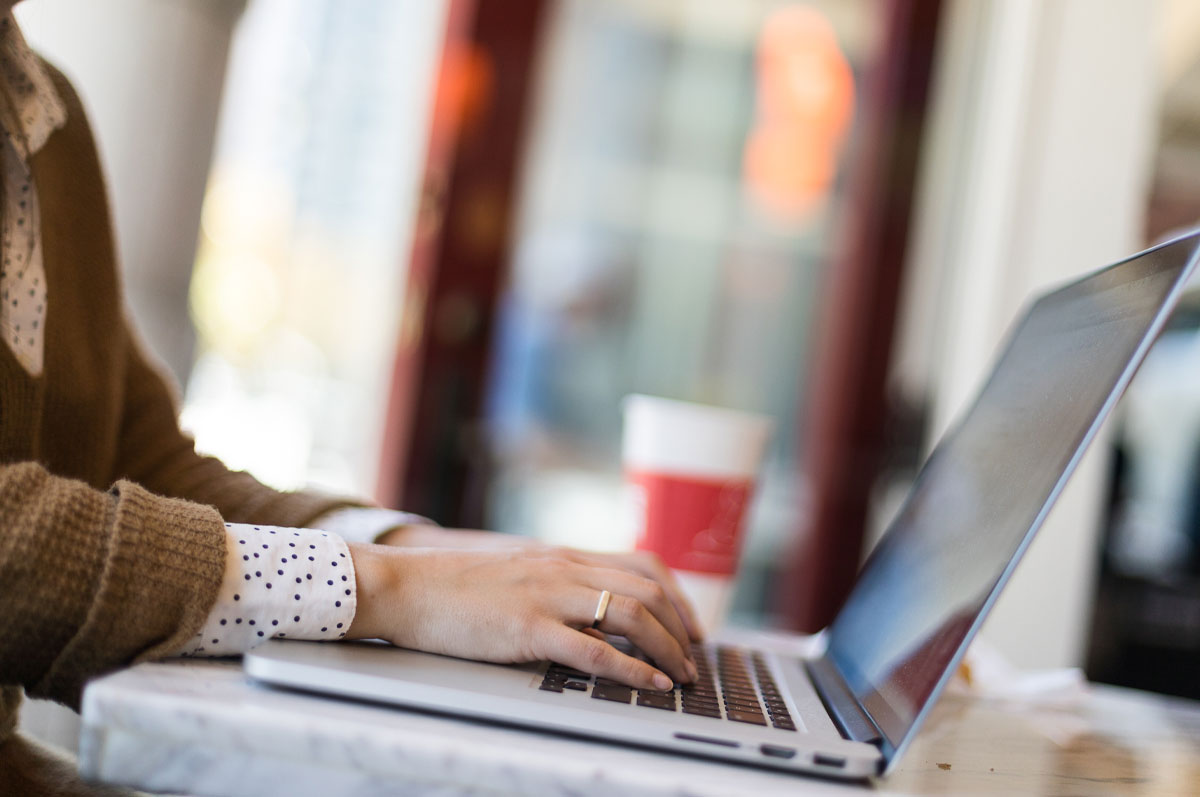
(845, 418)
(459, 261)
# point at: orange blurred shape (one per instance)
(805, 99)
(788, 170)
(464, 88)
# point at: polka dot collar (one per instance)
(30, 108)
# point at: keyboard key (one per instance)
(578, 686)
(666, 702)
(614, 692)
(746, 716)
(784, 724)
(549, 685)
(703, 711)
(746, 697)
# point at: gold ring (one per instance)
(601, 608)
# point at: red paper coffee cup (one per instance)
(691, 471)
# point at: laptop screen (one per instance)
(990, 481)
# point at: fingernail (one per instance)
(662, 682)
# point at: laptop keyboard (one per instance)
(733, 685)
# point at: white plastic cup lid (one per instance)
(683, 438)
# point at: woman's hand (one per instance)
(514, 606)
(643, 563)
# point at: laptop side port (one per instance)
(775, 751)
(691, 737)
(829, 761)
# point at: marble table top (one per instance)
(199, 727)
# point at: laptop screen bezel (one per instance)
(873, 704)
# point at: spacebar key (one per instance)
(613, 692)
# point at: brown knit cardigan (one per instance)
(111, 537)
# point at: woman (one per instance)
(119, 544)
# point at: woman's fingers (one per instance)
(584, 652)
(629, 617)
(650, 566)
(641, 610)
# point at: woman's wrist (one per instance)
(378, 575)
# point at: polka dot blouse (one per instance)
(290, 583)
(279, 582)
(30, 110)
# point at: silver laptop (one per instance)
(850, 709)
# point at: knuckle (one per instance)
(636, 611)
(595, 655)
(551, 570)
(655, 592)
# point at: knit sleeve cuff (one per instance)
(161, 573)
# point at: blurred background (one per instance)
(420, 249)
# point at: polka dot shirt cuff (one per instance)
(367, 524)
(279, 582)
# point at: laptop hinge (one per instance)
(843, 708)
